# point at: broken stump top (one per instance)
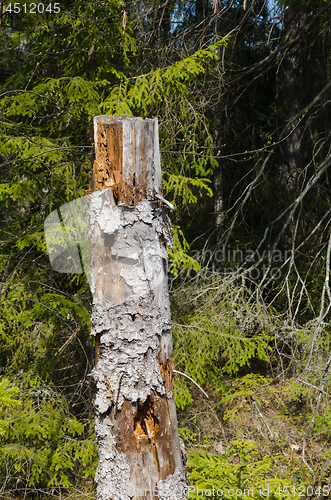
(127, 158)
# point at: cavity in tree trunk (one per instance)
(136, 423)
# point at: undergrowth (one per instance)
(260, 433)
(264, 430)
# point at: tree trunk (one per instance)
(136, 423)
(293, 90)
(1, 10)
(218, 186)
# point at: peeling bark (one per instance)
(136, 423)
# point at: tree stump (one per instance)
(136, 424)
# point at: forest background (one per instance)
(241, 91)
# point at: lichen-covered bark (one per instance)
(136, 424)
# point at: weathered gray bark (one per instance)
(136, 424)
(218, 190)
